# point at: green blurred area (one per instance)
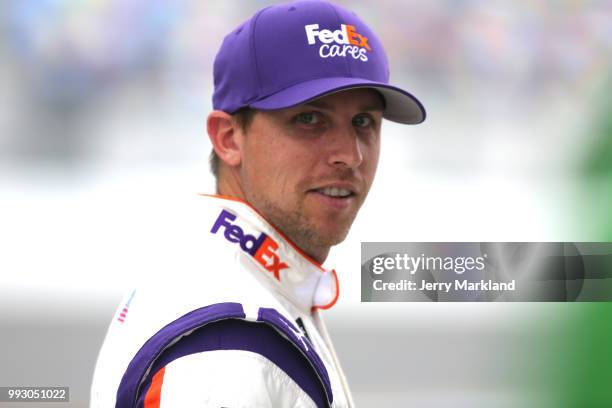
(571, 359)
(576, 370)
(580, 364)
(568, 363)
(594, 196)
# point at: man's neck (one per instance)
(228, 185)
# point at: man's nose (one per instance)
(344, 147)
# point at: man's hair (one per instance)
(243, 118)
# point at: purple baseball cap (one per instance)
(291, 53)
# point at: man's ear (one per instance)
(224, 135)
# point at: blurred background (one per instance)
(102, 133)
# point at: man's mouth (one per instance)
(335, 192)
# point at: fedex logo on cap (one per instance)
(262, 248)
(346, 41)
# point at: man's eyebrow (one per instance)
(375, 106)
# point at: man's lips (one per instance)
(337, 196)
(337, 190)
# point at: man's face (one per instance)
(309, 168)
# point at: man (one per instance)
(300, 93)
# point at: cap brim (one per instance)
(401, 106)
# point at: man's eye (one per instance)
(308, 118)
(362, 121)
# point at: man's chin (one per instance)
(330, 237)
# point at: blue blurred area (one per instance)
(67, 58)
(70, 64)
(114, 37)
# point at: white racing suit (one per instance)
(242, 329)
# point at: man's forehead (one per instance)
(364, 99)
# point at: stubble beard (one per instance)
(296, 226)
